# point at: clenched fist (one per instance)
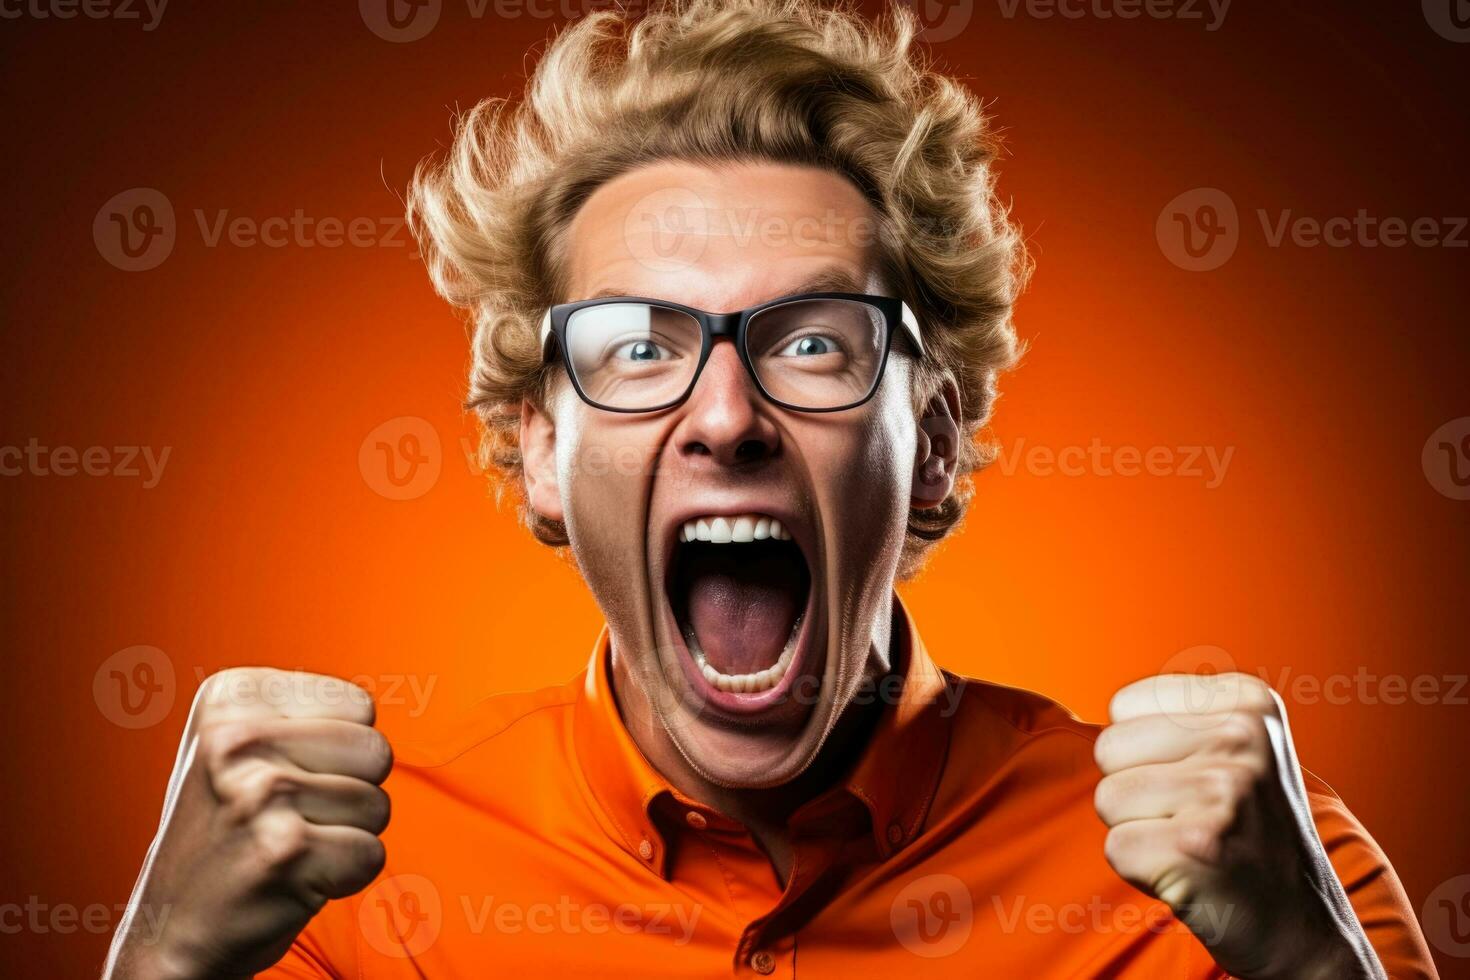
(273, 808)
(1208, 813)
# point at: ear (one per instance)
(937, 450)
(538, 459)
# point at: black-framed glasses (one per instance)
(810, 352)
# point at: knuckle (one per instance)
(363, 698)
(252, 788)
(282, 839)
(1120, 848)
(372, 857)
(1237, 733)
(379, 810)
(377, 755)
(367, 860)
(1113, 792)
(1102, 797)
(1105, 748)
(339, 693)
(219, 688)
(1219, 785)
(1228, 786)
(1202, 836)
(1255, 694)
(220, 742)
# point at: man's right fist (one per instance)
(273, 808)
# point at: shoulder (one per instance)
(1028, 714)
(1016, 749)
(1011, 721)
(513, 721)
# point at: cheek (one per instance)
(604, 471)
(888, 442)
(863, 472)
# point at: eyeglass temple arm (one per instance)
(910, 328)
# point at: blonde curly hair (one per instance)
(788, 81)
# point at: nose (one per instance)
(726, 418)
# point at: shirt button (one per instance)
(645, 849)
(763, 962)
(895, 834)
(696, 820)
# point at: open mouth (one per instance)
(739, 588)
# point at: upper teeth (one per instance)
(725, 530)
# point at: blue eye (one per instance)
(809, 345)
(640, 350)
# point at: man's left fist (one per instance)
(1208, 813)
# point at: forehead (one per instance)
(722, 237)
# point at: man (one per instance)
(741, 289)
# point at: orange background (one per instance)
(1325, 550)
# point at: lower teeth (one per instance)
(761, 680)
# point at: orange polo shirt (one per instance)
(538, 841)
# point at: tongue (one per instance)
(742, 608)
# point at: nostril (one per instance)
(750, 450)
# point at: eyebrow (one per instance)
(826, 281)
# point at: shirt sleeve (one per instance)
(1372, 887)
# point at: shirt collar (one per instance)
(894, 778)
